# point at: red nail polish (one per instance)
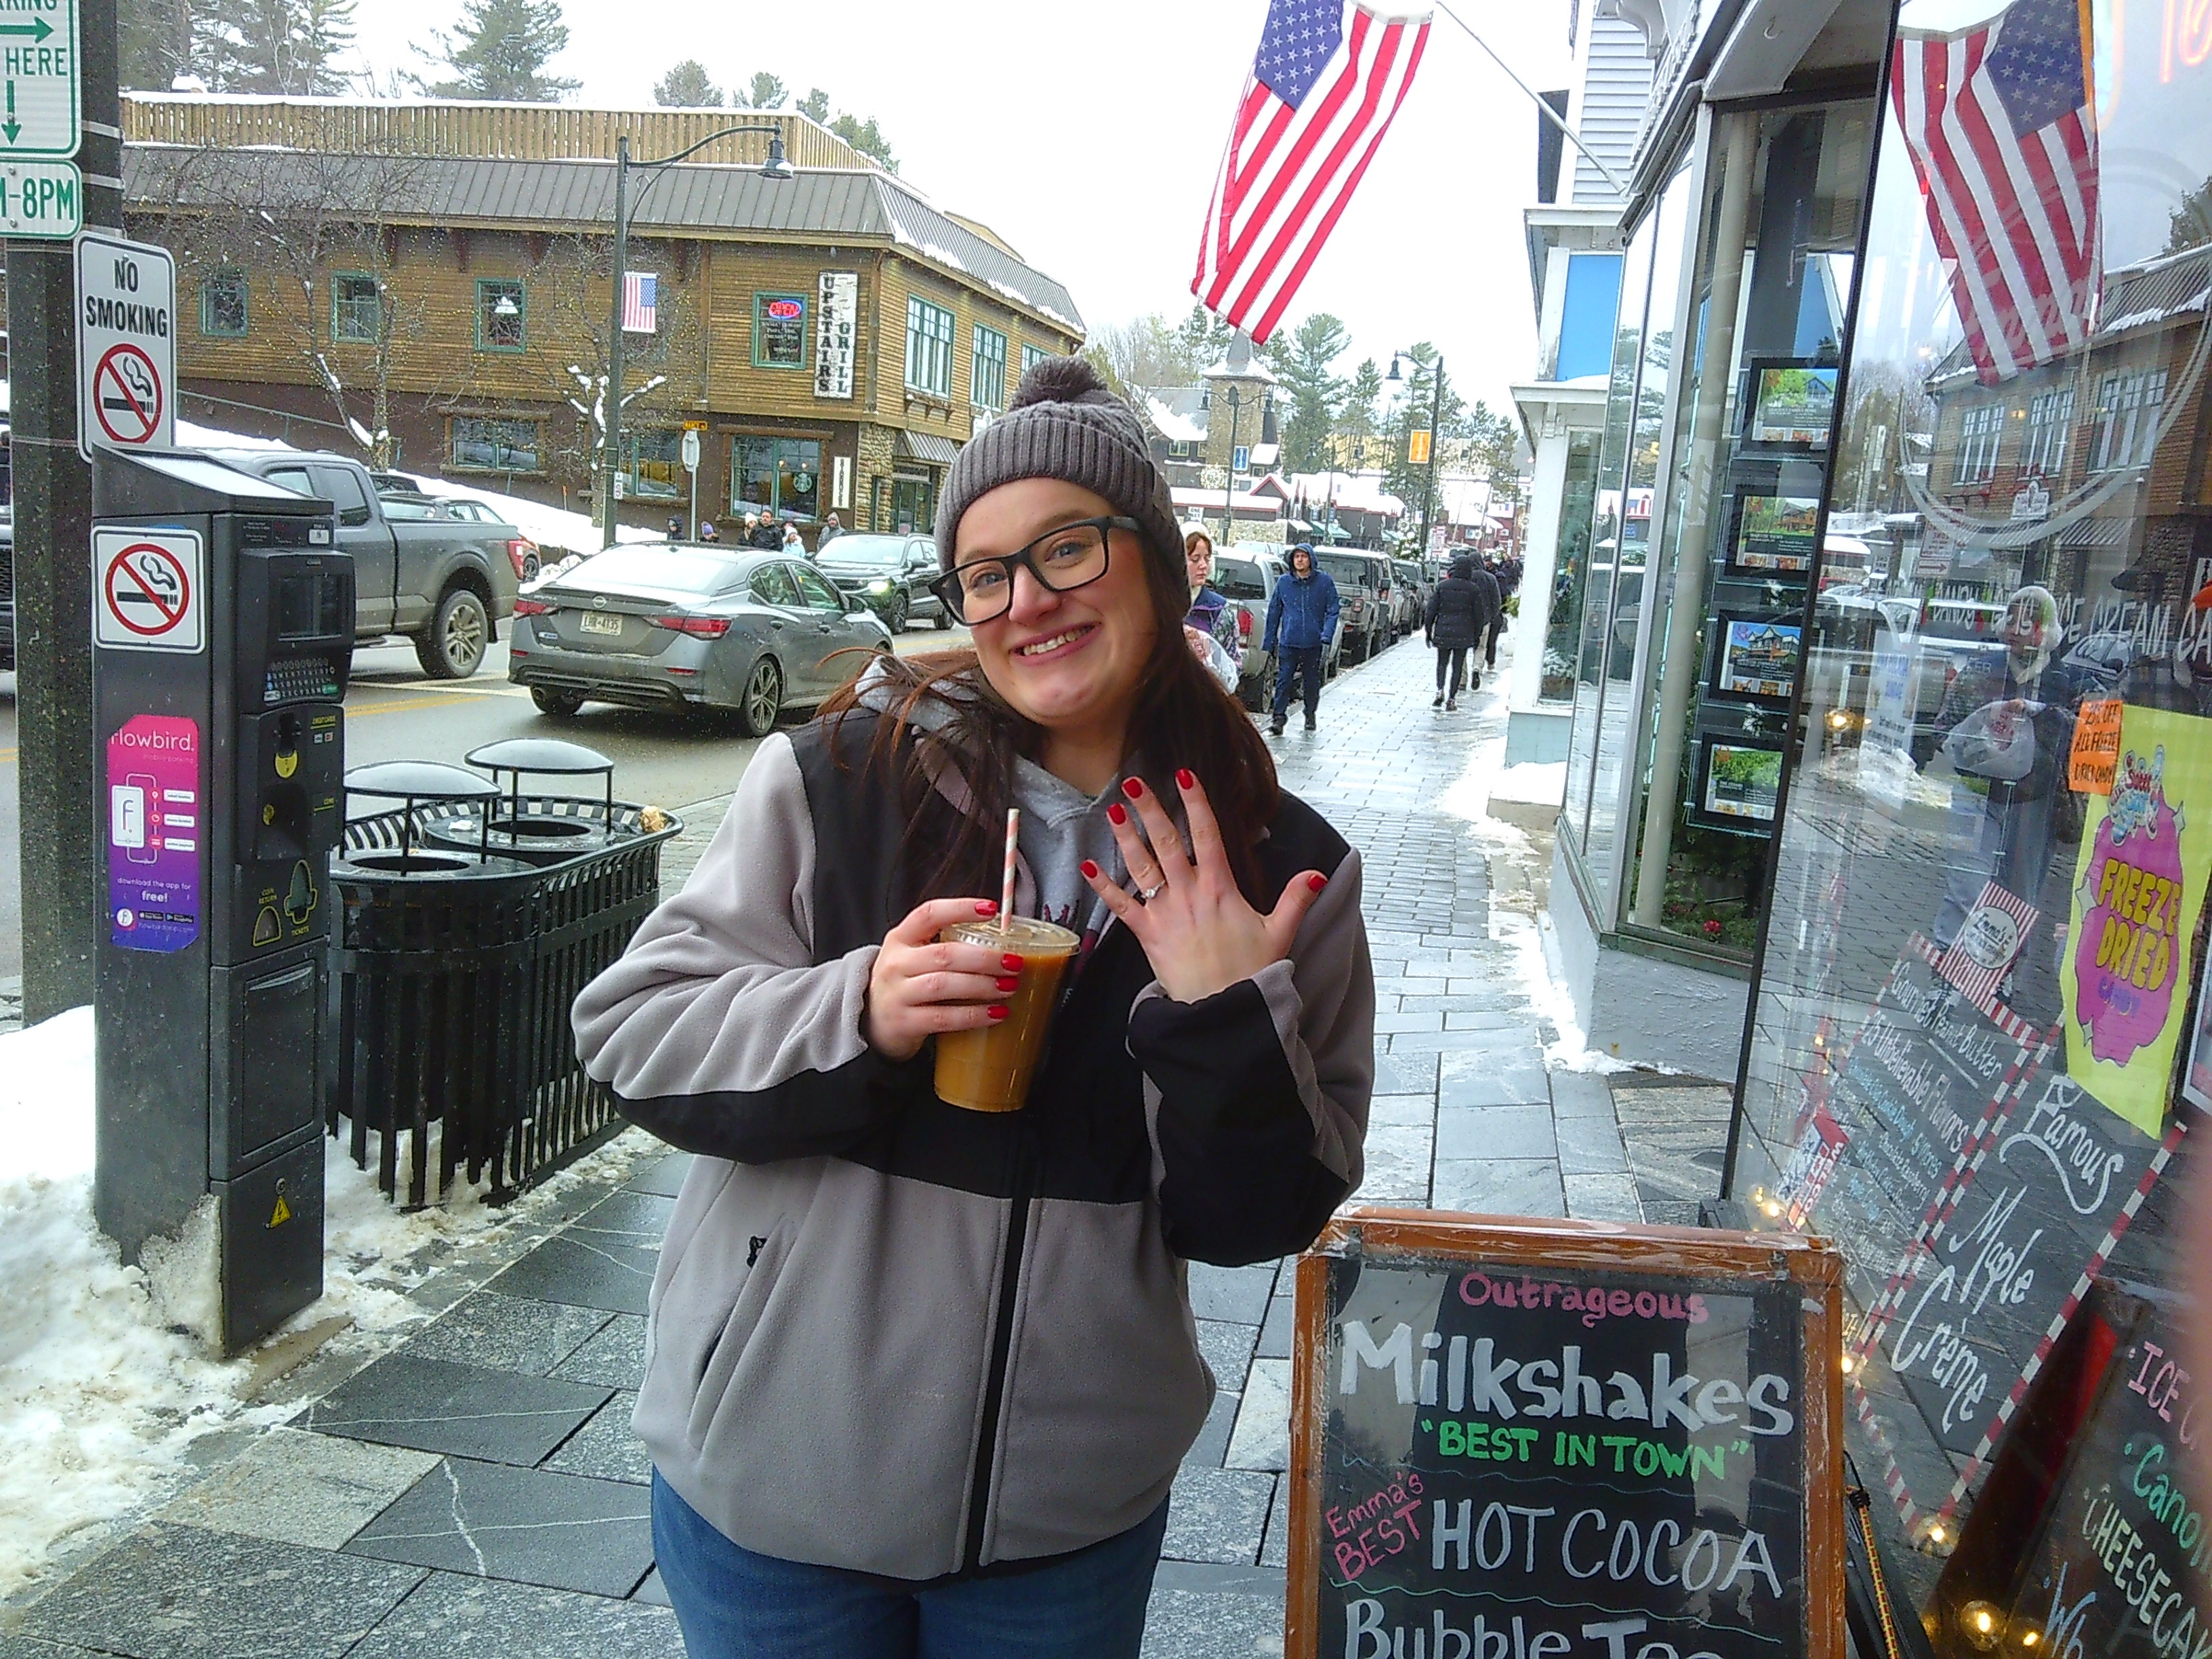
(1134, 789)
(1010, 983)
(1118, 812)
(987, 907)
(1012, 963)
(1090, 870)
(998, 1010)
(1187, 778)
(1316, 881)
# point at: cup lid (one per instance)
(1021, 934)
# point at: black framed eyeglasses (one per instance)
(1072, 556)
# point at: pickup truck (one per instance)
(446, 584)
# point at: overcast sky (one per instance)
(1087, 135)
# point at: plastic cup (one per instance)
(989, 1070)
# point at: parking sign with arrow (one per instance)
(39, 79)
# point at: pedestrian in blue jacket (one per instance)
(1301, 620)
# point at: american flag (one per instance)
(641, 299)
(1998, 122)
(1328, 78)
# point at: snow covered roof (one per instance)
(1352, 492)
(1177, 429)
(855, 206)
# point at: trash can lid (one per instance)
(549, 754)
(418, 781)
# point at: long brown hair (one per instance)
(1183, 720)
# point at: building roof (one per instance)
(1352, 492)
(820, 203)
(1173, 424)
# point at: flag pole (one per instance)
(1549, 112)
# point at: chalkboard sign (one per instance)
(2118, 1566)
(1557, 1440)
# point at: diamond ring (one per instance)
(1152, 892)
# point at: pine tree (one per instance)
(1411, 412)
(273, 47)
(815, 106)
(1302, 359)
(326, 35)
(1355, 413)
(687, 85)
(154, 43)
(1203, 339)
(864, 137)
(764, 91)
(500, 53)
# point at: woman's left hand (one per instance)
(1199, 933)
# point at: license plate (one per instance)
(597, 622)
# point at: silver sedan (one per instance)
(686, 625)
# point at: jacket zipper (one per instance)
(1002, 1340)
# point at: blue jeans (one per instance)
(1292, 662)
(733, 1604)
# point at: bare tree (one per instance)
(323, 233)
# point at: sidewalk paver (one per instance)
(478, 1491)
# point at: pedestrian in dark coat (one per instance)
(1461, 611)
(1506, 576)
(1302, 616)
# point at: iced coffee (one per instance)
(988, 1070)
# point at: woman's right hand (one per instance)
(919, 988)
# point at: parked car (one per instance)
(1245, 576)
(1412, 594)
(1362, 592)
(443, 583)
(690, 625)
(418, 508)
(892, 574)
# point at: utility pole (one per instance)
(1229, 488)
(610, 399)
(1436, 450)
(59, 849)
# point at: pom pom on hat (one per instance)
(1061, 381)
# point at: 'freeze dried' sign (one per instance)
(1547, 1440)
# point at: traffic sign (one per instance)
(126, 345)
(41, 200)
(690, 449)
(150, 589)
(43, 111)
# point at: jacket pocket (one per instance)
(765, 1254)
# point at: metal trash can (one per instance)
(456, 965)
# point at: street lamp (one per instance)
(1237, 401)
(1436, 444)
(776, 169)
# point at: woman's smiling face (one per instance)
(1065, 661)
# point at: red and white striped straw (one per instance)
(1006, 889)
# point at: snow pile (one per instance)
(1544, 782)
(556, 530)
(103, 1383)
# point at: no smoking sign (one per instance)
(150, 589)
(127, 346)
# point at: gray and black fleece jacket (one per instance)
(894, 1336)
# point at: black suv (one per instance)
(892, 574)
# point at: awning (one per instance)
(926, 446)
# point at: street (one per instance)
(392, 712)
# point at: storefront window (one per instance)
(1752, 410)
(1570, 572)
(655, 462)
(1976, 1029)
(1591, 622)
(784, 474)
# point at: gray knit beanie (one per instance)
(1064, 423)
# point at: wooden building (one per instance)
(834, 337)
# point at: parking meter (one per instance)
(223, 619)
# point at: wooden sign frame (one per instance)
(1812, 1263)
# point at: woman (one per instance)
(919, 1378)
(1460, 612)
(793, 542)
(1197, 564)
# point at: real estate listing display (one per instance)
(1756, 656)
(1737, 786)
(1788, 404)
(1772, 535)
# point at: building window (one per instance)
(987, 370)
(1182, 449)
(499, 315)
(1979, 429)
(1032, 355)
(784, 474)
(2050, 421)
(2128, 405)
(779, 330)
(357, 308)
(653, 462)
(482, 443)
(928, 347)
(223, 310)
